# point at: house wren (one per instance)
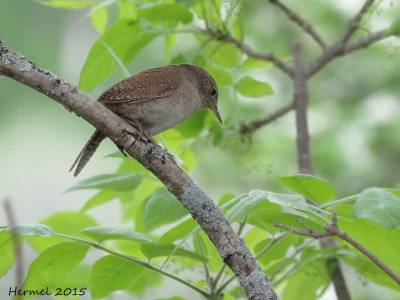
(156, 100)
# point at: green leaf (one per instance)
(193, 125)
(254, 236)
(178, 232)
(54, 264)
(99, 18)
(188, 158)
(146, 280)
(372, 236)
(167, 12)
(66, 3)
(215, 261)
(100, 198)
(395, 192)
(77, 279)
(179, 59)
(277, 251)
(394, 27)
(114, 182)
(306, 282)
(222, 54)
(170, 41)
(34, 230)
(311, 187)
(237, 27)
(265, 216)
(251, 63)
(370, 270)
(250, 87)
(101, 234)
(208, 10)
(127, 9)
(152, 251)
(199, 60)
(221, 76)
(6, 252)
(110, 274)
(172, 298)
(69, 223)
(292, 201)
(379, 206)
(245, 205)
(125, 38)
(161, 208)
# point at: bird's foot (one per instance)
(138, 125)
(142, 131)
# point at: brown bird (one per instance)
(156, 100)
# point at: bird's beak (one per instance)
(215, 110)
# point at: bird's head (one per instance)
(208, 89)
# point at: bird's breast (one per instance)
(160, 114)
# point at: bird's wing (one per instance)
(146, 85)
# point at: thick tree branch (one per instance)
(300, 22)
(303, 151)
(230, 247)
(301, 108)
(332, 229)
(254, 125)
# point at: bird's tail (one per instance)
(87, 151)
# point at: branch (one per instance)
(254, 125)
(300, 22)
(230, 247)
(301, 107)
(355, 21)
(303, 151)
(332, 229)
(339, 49)
(250, 52)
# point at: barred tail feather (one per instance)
(88, 151)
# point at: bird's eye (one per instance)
(213, 92)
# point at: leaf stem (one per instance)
(339, 201)
(133, 260)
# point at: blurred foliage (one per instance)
(354, 112)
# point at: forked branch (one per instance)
(332, 229)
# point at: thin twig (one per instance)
(364, 41)
(224, 285)
(355, 21)
(270, 244)
(296, 18)
(17, 244)
(254, 125)
(250, 52)
(288, 260)
(332, 229)
(338, 50)
(133, 260)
